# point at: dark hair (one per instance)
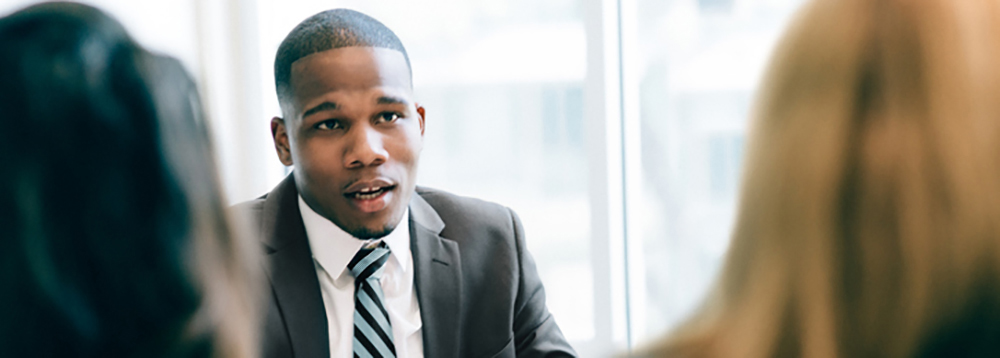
(109, 196)
(328, 30)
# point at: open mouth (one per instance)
(370, 193)
(370, 196)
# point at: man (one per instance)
(358, 264)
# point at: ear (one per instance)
(422, 113)
(280, 135)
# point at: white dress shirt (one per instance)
(332, 248)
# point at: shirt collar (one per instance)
(333, 247)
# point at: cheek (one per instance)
(418, 143)
(317, 156)
(408, 147)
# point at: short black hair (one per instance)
(329, 30)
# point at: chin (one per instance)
(378, 225)
(377, 232)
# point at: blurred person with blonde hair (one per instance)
(869, 221)
(116, 241)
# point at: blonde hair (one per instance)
(869, 217)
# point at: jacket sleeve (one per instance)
(535, 331)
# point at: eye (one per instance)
(386, 117)
(329, 124)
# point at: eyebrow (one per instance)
(321, 107)
(390, 100)
(325, 106)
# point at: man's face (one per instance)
(354, 135)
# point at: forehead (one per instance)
(348, 69)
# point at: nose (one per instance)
(365, 149)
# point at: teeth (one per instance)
(368, 193)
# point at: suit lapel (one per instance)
(293, 274)
(438, 278)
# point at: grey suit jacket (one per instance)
(477, 286)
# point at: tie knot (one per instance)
(369, 262)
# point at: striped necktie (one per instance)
(372, 332)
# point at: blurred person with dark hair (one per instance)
(362, 261)
(116, 241)
(869, 222)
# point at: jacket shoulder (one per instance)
(448, 203)
(465, 213)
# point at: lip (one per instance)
(360, 185)
(370, 196)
